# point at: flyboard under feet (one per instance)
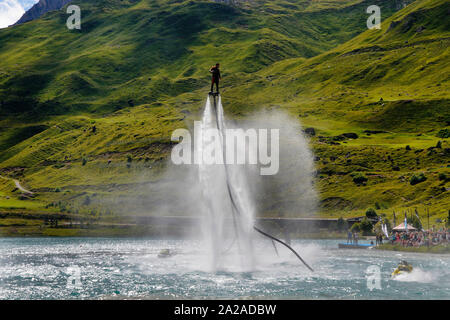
(233, 198)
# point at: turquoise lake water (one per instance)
(117, 268)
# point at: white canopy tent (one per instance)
(401, 227)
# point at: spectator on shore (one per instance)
(422, 238)
(349, 236)
(380, 240)
(355, 238)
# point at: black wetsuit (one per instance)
(215, 78)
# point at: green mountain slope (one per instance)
(406, 60)
(145, 50)
(391, 88)
(89, 113)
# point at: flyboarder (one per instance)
(215, 77)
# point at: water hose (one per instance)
(284, 244)
(274, 247)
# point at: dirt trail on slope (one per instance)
(18, 185)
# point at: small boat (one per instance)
(165, 253)
(403, 268)
(355, 245)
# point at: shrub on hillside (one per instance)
(442, 176)
(444, 133)
(415, 179)
(371, 213)
(366, 226)
(359, 178)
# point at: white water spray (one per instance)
(228, 210)
(228, 233)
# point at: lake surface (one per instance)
(113, 268)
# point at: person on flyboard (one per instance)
(215, 77)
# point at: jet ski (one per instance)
(165, 253)
(402, 268)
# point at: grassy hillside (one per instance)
(87, 115)
(147, 50)
(391, 88)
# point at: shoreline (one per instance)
(438, 249)
(15, 231)
(154, 232)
